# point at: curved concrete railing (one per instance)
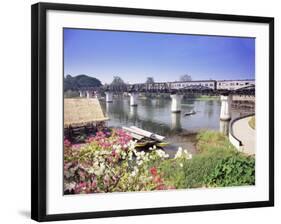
(232, 138)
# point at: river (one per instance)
(154, 115)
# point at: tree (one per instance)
(117, 81)
(80, 81)
(185, 78)
(150, 80)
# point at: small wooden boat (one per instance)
(190, 113)
(145, 144)
(162, 144)
(147, 133)
(145, 139)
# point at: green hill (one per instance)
(80, 81)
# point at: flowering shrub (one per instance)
(109, 162)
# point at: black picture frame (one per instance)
(39, 122)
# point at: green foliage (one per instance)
(232, 171)
(252, 122)
(214, 142)
(173, 172)
(217, 164)
(117, 81)
(204, 97)
(150, 80)
(71, 94)
(80, 81)
(197, 169)
(109, 162)
(185, 78)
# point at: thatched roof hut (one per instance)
(79, 112)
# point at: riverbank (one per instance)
(204, 97)
(217, 164)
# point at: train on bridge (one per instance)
(206, 84)
(214, 87)
(246, 86)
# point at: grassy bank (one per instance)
(217, 164)
(252, 122)
(204, 97)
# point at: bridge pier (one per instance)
(81, 94)
(108, 97)
(176, 103)
(225, 114)
(88, 94)
(134, 99)
(224, 127)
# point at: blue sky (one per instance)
(134, 56)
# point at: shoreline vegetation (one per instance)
(109, 162)
(252, 122)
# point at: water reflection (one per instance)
(133, 113)
(155, 115)
(109, 108)
(176, 121)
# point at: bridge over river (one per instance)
(177, 90)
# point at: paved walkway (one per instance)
(245, 134)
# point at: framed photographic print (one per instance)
(139, 111)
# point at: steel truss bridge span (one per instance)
(165, 88)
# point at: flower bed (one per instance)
(109, 162)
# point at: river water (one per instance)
(154, 115)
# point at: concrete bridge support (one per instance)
(224, 127)
(109, 97)
(176, 103)
(81, 94)
(88, 94)
(225, 114)
(134, 99)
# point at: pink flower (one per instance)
(113, 153)
(66, 143)
(82, 184)
(76, 146)
(157, 179)
(160, 187)
(94, 184)
(106, 180)
(153, 171)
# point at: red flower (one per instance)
(153, 171)
(66, 143)
(157, 179)
(161, 187)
